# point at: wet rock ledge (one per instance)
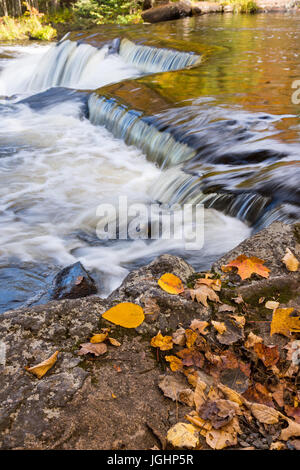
(113, 401)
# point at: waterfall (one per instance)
(152, 60)
(132, 127)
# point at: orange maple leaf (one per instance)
(247, 266)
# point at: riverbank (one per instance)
(125, 398)
(85, 15)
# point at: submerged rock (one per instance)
(73, 282)
(170, 11)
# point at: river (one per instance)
(188, 112)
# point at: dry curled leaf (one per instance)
(290, 261)
(215, 284)
(265, 414)
(268, 354)
(42, 368)
(293, 430)
(125, 314)
(99, 338)
(171, 283)
(284, 323)
(202, 293)
(164, 343)
(183, 435)
(247, 266)
(191, 357)
(271, 305)
(179, 337)
(252, 340)
(200, 326)
(219, 326)
(175, 387)
(89, 348)
(226, 436)
(191, 337)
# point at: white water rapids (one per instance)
(56, 167)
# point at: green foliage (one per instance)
(30, 25)
(242, 6)
(108, 11)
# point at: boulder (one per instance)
(170, 11)
(73, 282)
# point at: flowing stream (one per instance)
(187, 112)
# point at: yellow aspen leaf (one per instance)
(219, 326)
(239, 319)
(170, 283)
(290, 261)
(183, 435)
(41, 369)
(125, 314)
(175, 363)
(99, 338)
(114, 342)
(247, 266)
(113, 395)
(284, 323)
(164, 343)
(191, 337)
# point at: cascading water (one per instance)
(65, 148)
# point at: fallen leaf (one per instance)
(226, 308)
(238, 300)
(271, 305)
(164, 343)
(99, 338)
(290, 261)
(179, 337)
(219, 412)
(215, 284)
(175, 363)
(252, 340)
(199, 394)
(113, 395)
(265, 414)
(258, 393)
(227, 436)
(247, 266)
(219, 326)
(234, 332)
(293, 412)
(183, 435)
(89, 348)
(114, 342)
(268, 354)
(277, 446)
(171, 283)
(200, 326)
(42, 368)
(295, 443)
(293, 430)
(191, 337)
(284, 323)
(125, 314)
(191, 357)
(239, 319)
(175, 388)
(203, 426)
(232, 395)
(118, 368)
(202, 293)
